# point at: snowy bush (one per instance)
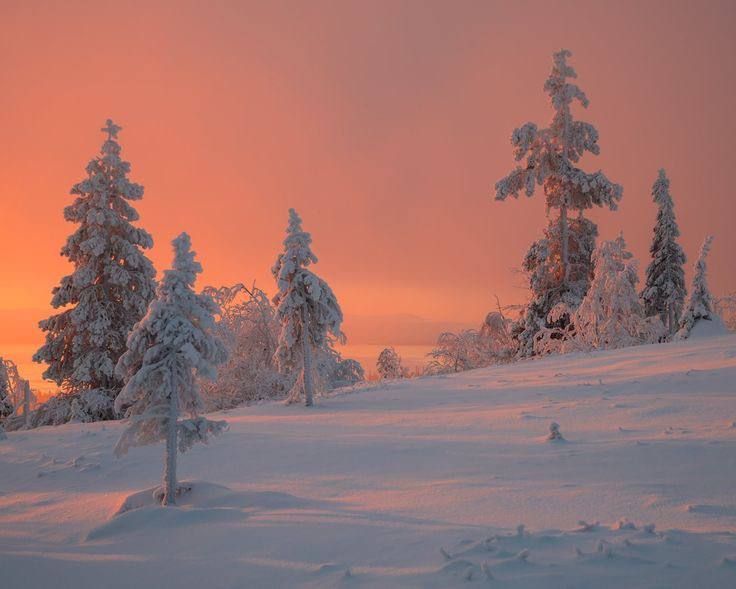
(332, 371)
(248, 327)
(167, 350)
(107, 293)
(16, 397)
(470, 348)
(725, 308)
(495, 338)
(456, 352)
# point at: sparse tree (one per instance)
(456, 352)
(248, 327)
(550, 156)
(306, 307)
(664, 291)
(168, 350)
(700, 302)
(388, 364)
(108, 290)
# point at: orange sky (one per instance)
(385, 124)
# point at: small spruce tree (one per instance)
(699, 304)
(306, 308)
(167, 350)
(664, 291)
(389, 364)
(109, 288)
(611, 314)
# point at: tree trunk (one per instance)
(564, 246)
(670, 320)
(170, 482)
(307, 362)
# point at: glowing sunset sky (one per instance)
(385, 124)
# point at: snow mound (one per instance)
(709, 328)
(198, 503)
(158, 518)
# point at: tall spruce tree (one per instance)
(109, 288)
(306, 308)
(550, 156)
(664, 291)
(167, 350)
(699, 304)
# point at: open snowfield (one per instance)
(409, 484)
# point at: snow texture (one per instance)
(371, 488)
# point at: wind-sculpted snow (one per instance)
(435, 482)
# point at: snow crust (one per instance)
(443, 482)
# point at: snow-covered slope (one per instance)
(411, 484)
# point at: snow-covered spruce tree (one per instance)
(108, 290)
(543, 266)
(699, 304)
(611, 314)
(306, 308)
(388, 364)
(664, 291)
(550, 156)
(167, 350)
